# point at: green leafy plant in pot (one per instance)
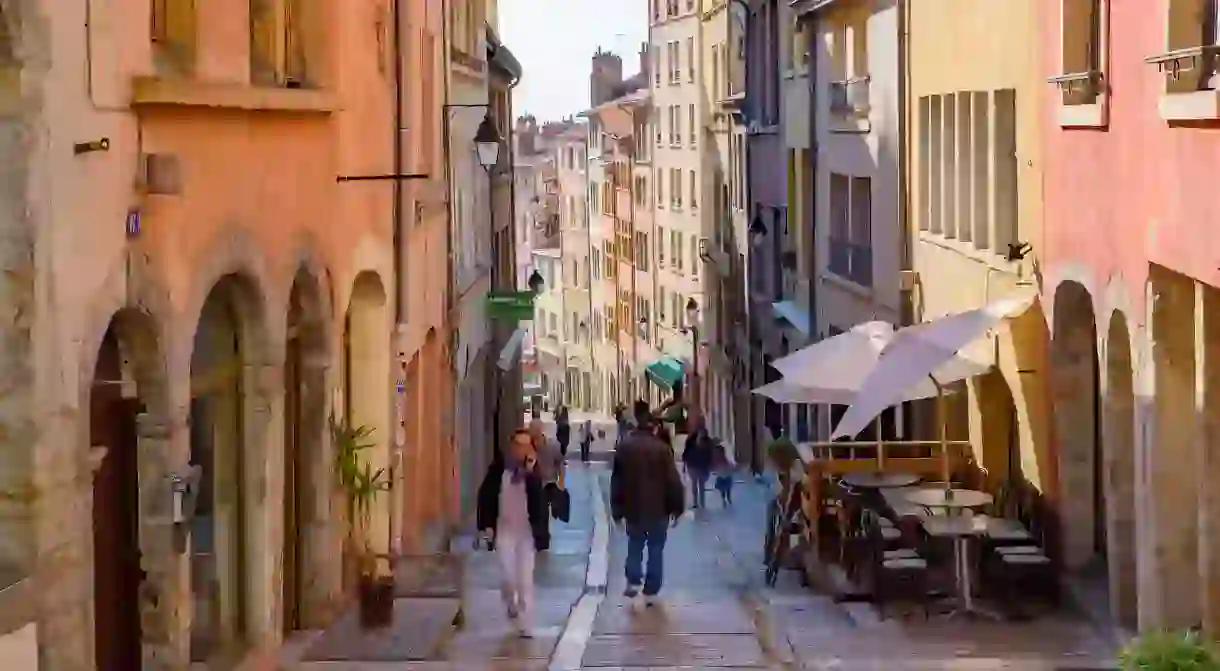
(360, 484)
(1170, 651)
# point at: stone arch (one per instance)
(1118, 437)
(233, 392)
(308, 581)
(237, 257)
(1068, 274)
(366, 383)
(127, 405)
(1075, 371)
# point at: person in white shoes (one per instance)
(512, 512)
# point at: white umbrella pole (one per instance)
(880, 447)
(944, 438)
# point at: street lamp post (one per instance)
(692, 320)
(487, 150)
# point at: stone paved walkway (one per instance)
(716, 612)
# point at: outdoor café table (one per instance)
(960, 528)
(961, 499)
(880, 480)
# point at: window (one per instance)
(294, 43)
(715, 71)
(660, 188)
(659, 61)
(1081, 37)
(694, 256)
(690, 59)
(678, 251)
(641, 251)
(694, 190)
(1189, 64)
(694, 125)
(675, 188)
(173, 33)
(262, 18)
(656, 10)
(851, 246)
(677, 62)
(678, 125)
(660, 247)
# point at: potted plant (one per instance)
(360, 485)
(1170, 651)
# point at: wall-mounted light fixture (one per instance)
(1018, 250)
(102, 144)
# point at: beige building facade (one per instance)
(975, 178)
(680, 116)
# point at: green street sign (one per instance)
(511, 305)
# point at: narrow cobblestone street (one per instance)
(716, 611)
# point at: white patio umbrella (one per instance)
(831, 371)
(928, 353)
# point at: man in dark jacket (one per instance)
(646, 493)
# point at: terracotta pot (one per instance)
(376, 601)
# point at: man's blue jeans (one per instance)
(651, 535)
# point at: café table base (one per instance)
(966, 606)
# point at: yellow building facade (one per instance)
(973, 195)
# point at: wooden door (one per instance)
(116, 544)
(292, 484)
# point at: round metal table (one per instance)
(880, 480)
(961, 499)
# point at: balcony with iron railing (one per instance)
(1192, 82)
(851, 262)
(850, 104)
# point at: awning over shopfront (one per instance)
(790, 312)
(665, 372)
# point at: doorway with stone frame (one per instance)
(225, 398)
(306, 474)
(126, 395)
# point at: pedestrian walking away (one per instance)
(646, 496)
(697, 458)
(511, 514)
(550, 470)
(586, 441)
(563, 429)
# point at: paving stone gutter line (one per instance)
(570, 650)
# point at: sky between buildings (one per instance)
(554, 40)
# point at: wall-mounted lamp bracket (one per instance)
(93, 145)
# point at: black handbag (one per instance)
(561, 503)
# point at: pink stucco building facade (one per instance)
(1130, 269)
(202, 286)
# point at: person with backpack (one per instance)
(586, 441)
(563, 430)
(697, 458)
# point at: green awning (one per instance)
(665, 372)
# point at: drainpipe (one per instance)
(906, 252)
(396, 15)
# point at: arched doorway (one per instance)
(367, 397)
(128, 380)
(1075, 371)
(1174, 462)
(306, 477)
(223, 389)
(1119, 438)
